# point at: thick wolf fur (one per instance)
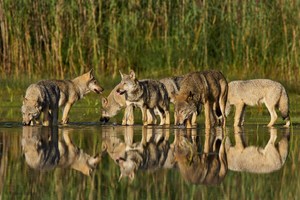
(146, 94)
(208, 167)
(43, 150)
(115, 102)
(73, 90)
(254, 92)
(42, 97)
(255, 159)
(208, 88)
(151, 153)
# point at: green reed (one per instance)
(58, 38)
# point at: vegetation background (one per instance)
(60, 38)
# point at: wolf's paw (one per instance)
(65, 121)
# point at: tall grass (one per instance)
(242, 38)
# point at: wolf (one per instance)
(43, 150)
(73, 90)
(152, 152)
(255, 159)
(208, 88)
(115, 102)
(41, 97)
(258, 91)
(201, 166)
(146, 94)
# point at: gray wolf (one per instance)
(73, 90)
(43, 150)
(41, 97)
(257, 91)
(201, 166)
(146, 94)
(208, 88)
(256, 159)
(115, 102)
(151, 153)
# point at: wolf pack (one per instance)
(190, 93)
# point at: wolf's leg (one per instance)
(55, 116)
(46, 116)
(167, 114)
(161, 114)
(151, 118)
(272, 113)
(238, 114)
(194, 119)
(128, 118)
(243, 115)
(66, 111)
(144, 115)
(207, 112)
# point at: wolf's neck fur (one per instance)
(80, 87)
(136, 94)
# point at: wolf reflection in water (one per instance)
(44, 150)
(205, 162)
(256, 159)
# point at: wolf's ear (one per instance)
(104, 101)
(132, 74)
(91, 72)
(121, 74)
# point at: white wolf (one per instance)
(257, 91)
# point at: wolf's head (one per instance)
(87, 82)
(31, 110)
(112, 105)
(129, 164)
(129, 83)
(184, 108)
(85, 163)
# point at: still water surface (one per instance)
(89, 160)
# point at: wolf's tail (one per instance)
(283, 105)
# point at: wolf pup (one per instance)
(254, 92)
(208, 88)
(73, 90)
(146, 94)
(42, 97)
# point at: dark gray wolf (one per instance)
(43, 150)
(254, 92)
(256, 159)
(208, 88)
(201, 166)
(147, 95)
(73, 90)
(42, 97)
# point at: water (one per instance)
(168, 162)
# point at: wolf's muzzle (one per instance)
(104, 119)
